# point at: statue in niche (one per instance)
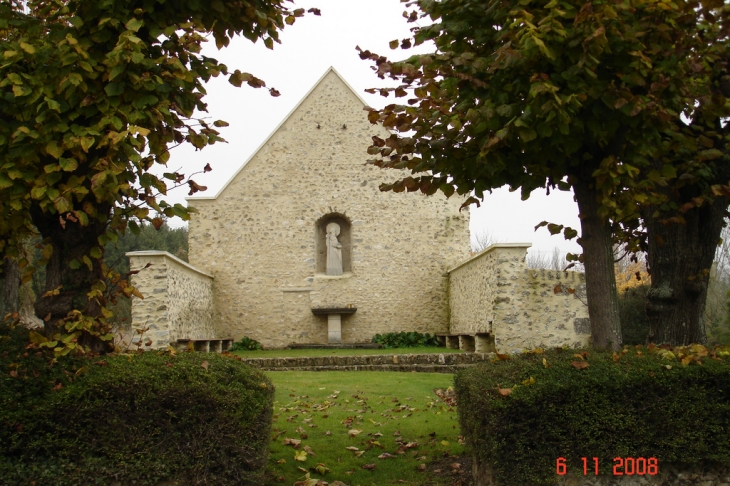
(334, 250)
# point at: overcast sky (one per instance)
(308, 48)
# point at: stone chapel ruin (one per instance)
(300, 246)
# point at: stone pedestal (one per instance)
(334, 320)
(334, 328)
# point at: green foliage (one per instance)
(143, 418)
(569, 95)
(520, 414)
(405, 339)
(171, 240)
(93, 95)
(246, 344)
(632, 312)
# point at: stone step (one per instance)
(336, 346)
(389, 367)
(385, 362)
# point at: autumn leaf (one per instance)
(615, 357)
(502, 357)
(300, 456)
(580, 365)
(204, 365)
(292, 442)
(369, 467)
(281, 461)
(353, 432)
(504, 391)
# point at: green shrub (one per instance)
(405, 340)
(246, 344)
(197, 417)
(635, 407)
(632, 312)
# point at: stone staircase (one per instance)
(428, 363)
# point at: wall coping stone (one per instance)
(488, 250)
(149, 253)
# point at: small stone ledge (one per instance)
(479, 342)
(158, 253)
(217, 345)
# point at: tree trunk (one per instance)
(597, 242)
(70, 241)
(680, 257)
(11, 284)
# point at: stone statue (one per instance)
(334, 250)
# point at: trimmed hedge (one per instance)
(405, 339)
(635, 407)
(197, 417)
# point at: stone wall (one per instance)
(260, 235)
(178, 299)
(494, 292)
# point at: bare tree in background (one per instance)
(483, 240)
(717, 309)
(554, 260)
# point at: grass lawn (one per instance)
(292, 353)
(346, 420)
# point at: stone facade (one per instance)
(263, 235)
(495, 293)
(178, 299)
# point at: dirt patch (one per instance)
(452, 470)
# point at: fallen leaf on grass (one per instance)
(309, 450)
(444, 443)
(502, 357)
(292, 442)
(455, 465)
(353, 432)
(328, 433)
(422, 467)
(579, 365)
(281, 461)
(300, 456)
(369, 467)
(321, 468)
(352, 448)
(385, 455)
(504, 391)
(204, 364)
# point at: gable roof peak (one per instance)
(321, 79)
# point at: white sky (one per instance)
(308, 48)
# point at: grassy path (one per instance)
(364, 428)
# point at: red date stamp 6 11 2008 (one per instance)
(622, 466)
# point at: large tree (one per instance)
(543, 94)
(93, 94)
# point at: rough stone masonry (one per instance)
(261, 248)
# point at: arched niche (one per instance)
(345, 239)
